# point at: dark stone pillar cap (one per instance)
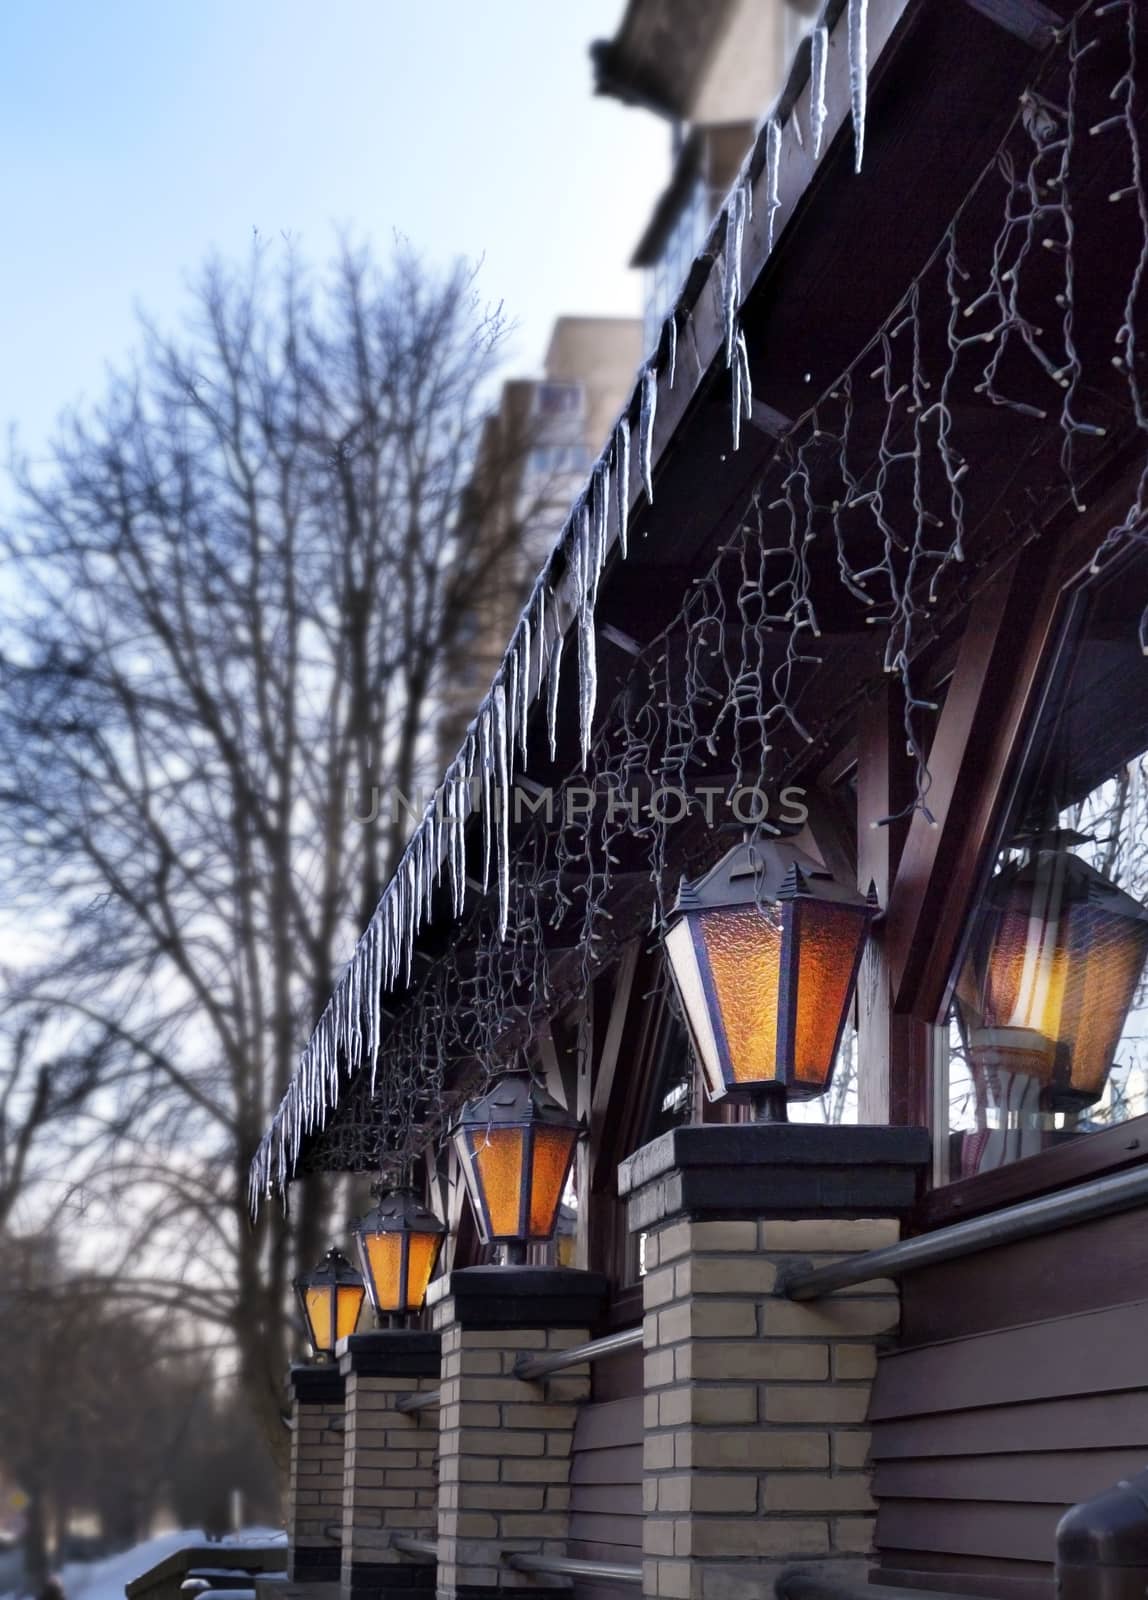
(391, 1353)
(526, 1297)
(317, 1386)
(774, 1169)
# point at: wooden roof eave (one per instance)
(699, 311)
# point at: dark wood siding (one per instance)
(1018, 1387)
(606, 1471)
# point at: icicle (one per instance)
(622, 482)
(859, 73)
(374, 1000)
(415, 869)
(410, 904)
(513, 667)
(743, 368)
(484, 761)
(430, 861)
(649, 409)
(819, 65)
(773, 171)
(601, 514)
(798, 130)
(502, 800)
(389, 941)
(742, 399)
(451, 830)
(524, 682)
(672, 343)
(355, 1053)
(552, 694)
(587, 678)
(731, 284)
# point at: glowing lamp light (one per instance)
(764, 951)
(398, 1244)
(1052, 974)
(515, 1146)
(330, 1297)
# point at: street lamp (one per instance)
(515, 1146)
(330, 1298)
(398, 1244)
(764, 951)
(1057, 954)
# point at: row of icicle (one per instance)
(346, 1037)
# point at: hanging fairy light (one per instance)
(764, 951)
(1056, 958)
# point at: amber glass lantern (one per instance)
(330, 1298)
(515, 1146)
(764, 952)
(398, 1244)
(1046, 990)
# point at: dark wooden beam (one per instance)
(770, 421)
(893, 1049)
(1036, 24)
(1002, 651)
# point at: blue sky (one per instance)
(140, 135)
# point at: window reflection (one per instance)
(1048, 1035)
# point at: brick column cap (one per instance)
(317, 1385)
(774, 1169)
(391, 1353)
(525, 1297)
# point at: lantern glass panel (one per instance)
(381, 1257)
(553, 1148)
(422, 1259)
(498, 1155)
(320, 1316)
(683, 953)
(1048, 1033)
(830, 940)
(348, 1305)
(743, 949)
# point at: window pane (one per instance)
(1048, 1032)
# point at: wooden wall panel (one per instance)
(1018, 1387)
(606, 1472)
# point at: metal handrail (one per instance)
(568, 1567)
(1100, 1198)
(532, 1367)
(408, 1546)
(806, 1584)
(427, 1401)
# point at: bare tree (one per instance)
(236, 585)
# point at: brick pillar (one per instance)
(315, 1491)
(388, 1462)
(504, 1463)
(755, 1454)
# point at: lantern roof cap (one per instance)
(1081, 880)
(399, 1211)
(758, 873)
(515, 1100)
(334, 1269)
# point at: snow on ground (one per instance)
(105, 1579)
